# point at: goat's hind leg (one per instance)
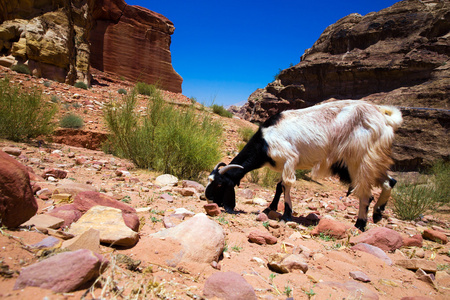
(379, 207)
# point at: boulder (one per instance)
(44, 221)
(381, 237)
(212, 209)
(89, 239)
(166, 180)
(64, 272)
(110, 224)
(85, 200)
(228, 286)
(341, 290)
(17, 202)
(202, 239)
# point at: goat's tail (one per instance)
(392, 115)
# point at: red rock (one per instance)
(212, 209)
(69, 213)
(60, 174)
(262, 217)
(360, 276)
(332, 228)
(193, 184)
(17, 202)
(62, 273)
(414, 241)
(262, 237)
(381, 237)
(435, 236)
(228, 285)
(137, 36)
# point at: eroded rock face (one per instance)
(121, 32)
(396, 56)
(61, 40)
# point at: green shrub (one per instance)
(270, 178)
(71, 121)
(246, 133)
(166, 139)
(54, 99)
(411, 200)
(146, 89)
(122, 91)
(81, 85)
(221, 111)
(21, 68)
(24, 115)
(47, 83)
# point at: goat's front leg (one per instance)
(274, 204)
(287, 215)
(386, 189)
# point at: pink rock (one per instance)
(69, 213)
(62, 273)
(356, 289)
(381, 237)
(228, 285)
(60, 174)
(332, 228)
(413, 241)
(262, 217)
(375, 251)
(212, 209)
(435, 236)
(17, 203)
(262, 237)
(193, 184)
(360, 276)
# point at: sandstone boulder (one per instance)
(17, 203)
(62, 273)
(332, 228)
(202, 239)
(228, 286)
(381, 237)
(110, 224)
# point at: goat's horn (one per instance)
(229, 167)
(221, 164)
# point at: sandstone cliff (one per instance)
(62, 39)
(399, 56)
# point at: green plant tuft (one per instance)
(21, 68)
(122, 91)
(221, 111)
(246, 133)
(71, 121)
(169, 140)
(24, 114)
(411, 200)
(146, 89)
(81, 85)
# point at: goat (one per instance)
(349, 138)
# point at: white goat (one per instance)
(350, 138)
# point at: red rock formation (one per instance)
(133, 42)
(396, 56)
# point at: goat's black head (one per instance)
(220, 188)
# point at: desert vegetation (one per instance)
(24, 114)
(176, 141)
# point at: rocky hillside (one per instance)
(150, 237)
(399, 56)
(61, 40)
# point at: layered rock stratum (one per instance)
(61, 40)
(397, 56)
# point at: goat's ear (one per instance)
(229, 198)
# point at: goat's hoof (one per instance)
(229, 210)
(361, 224)
(286, 218)
(377, 216)
(267, 211)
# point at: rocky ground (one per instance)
(262, 257)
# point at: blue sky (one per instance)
(225, 50)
